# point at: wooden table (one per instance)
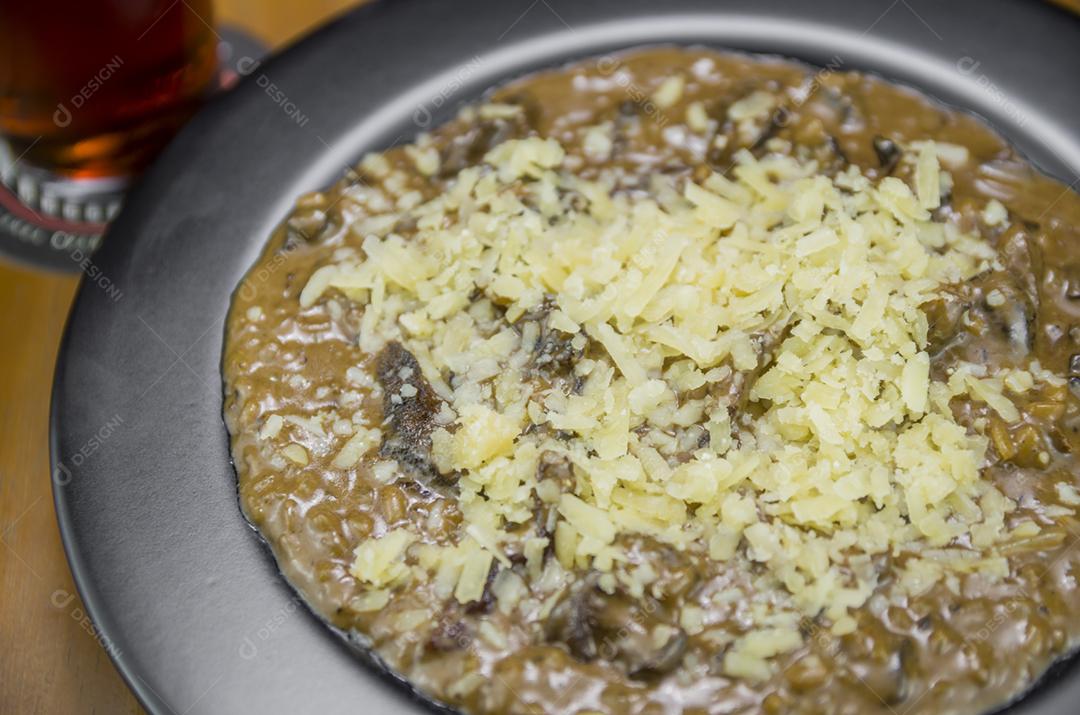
(50, 660)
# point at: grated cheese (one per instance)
(776, 286)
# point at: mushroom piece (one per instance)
(637, 635)
(468, 148)
(943, 316)
(888, 154)
(553, 354)
(734, 390)
(409, 408)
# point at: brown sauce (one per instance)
(963, 649)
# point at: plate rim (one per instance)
(88, 301)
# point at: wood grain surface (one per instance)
(50, 659)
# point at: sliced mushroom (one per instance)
(888, 154)
(943, 315)
(409, 408)
(468, 149)
(1023, 259)
(553, 354)
(734, 391)
(629, 633)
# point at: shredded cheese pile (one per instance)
(751, 376)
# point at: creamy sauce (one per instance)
(963, 649)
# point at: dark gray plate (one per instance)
(187, 598)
